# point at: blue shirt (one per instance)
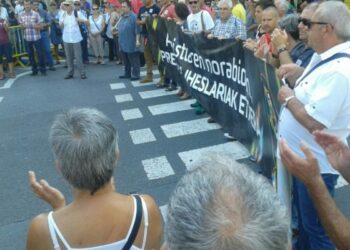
(127, 30)
(304, 57)
(232, 28)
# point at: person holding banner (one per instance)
(199, 21)
(228, 26)
(30, 22)
(320, 100)
(307, 170)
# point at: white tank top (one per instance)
(54, 231)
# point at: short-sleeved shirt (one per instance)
(325, 95)
(28, 20)
(128, 29)
(232, 28)
(44, 17)
(239, 12)
(194, 22)
(144, 13)
(71, 32)
(3, 13)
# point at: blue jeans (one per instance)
(311, 233)
(45, 41)
(32, 47)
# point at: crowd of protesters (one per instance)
(293, 40)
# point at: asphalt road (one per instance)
(159, 137)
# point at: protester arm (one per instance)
(337, 152)
(290, 71)
(306, 170)
(38, 229)
(298, 110)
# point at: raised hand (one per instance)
(44, 191)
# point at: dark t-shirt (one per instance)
(144, 12)
(304, 57)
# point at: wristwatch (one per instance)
(285, 103)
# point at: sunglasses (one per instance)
(193, 2)
(77, 4)
(66, 4)
(308, 23)
(94, 8)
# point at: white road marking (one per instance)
(138, 84)
(164, 211)
(155, 93)
(188, 127)
(11, 81)
(170, 107)
(123, 98)
(144, 73)
(1, 98)
(129, 114)
(235, 149)
(118, 85)
(157, 168)
(142, 136)
(341, 182)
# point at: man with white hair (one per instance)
(222, 205)
(320, 100)
(228, 26)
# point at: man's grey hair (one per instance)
(84, 143)
(290, 23)
(282, 5)
(224, 205)
(312, 7)
(337, 14)
(227, 2)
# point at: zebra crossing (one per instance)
(144, 101)
(138, 102)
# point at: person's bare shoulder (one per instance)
(38, 233)
(155, 223)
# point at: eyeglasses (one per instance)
(193, 2)
(308, 23)
(77, 4)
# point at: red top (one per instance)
(4, 38)
(168, 11)
(209, 9)
(136, 6)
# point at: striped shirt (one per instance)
(28, 20)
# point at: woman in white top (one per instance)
(84, 143)
(96, 26)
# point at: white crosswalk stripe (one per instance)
(117, 85)
(138, 84)
(1, 98)
(234, 149)
(188, 127)
(123, 98)
(129, 114)
(142, 136)
(155, 93)
(158, 167)
(170, 107)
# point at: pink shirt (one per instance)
(207, 8)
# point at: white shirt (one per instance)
(194, 22)
(3, 13)
(96, 24)
(18, 9)
(71, 32)
(325, 94)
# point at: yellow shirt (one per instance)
(239, 12)
(347, 2)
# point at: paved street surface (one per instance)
(159, 137)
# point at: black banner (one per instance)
(238, 90)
